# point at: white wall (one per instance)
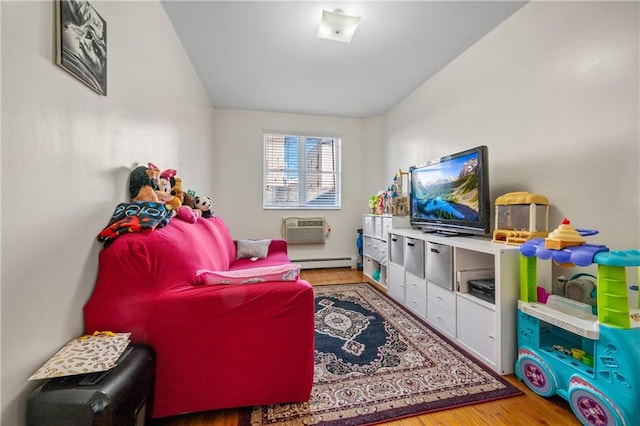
(375, 153)
(66, 156)
(553, 92)
(238, 168)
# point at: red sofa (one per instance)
(217, 346)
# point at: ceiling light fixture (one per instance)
(338, 26)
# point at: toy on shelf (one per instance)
(400, 198)
(587, 356)
(392, 201)
(372, 204)
(376, 203)
(520, 216)
(389, 201)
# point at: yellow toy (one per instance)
(521, 216)
(563, 236)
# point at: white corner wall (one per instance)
(553, 92)
(66, 156)
(238, 169)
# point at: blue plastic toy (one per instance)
(591, 361)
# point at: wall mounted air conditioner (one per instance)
(304, 230)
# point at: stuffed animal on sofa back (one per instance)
(164, 190)
(142, 184)
(204, 204)
(176, 189)
(168, 183)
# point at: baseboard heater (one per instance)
(326, 262)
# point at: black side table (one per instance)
(122, 395)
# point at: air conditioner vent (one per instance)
(303, 223)
(310, 230)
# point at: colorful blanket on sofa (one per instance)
(140, 216)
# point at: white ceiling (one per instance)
(265, 56)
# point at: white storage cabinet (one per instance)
(441, 294)
(375, 231)
(395, 277)
(414, 276)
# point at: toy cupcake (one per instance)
(563, 236)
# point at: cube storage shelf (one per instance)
(429, 274)
(375, 231)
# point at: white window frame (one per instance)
(301, 175)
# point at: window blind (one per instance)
(301, 172)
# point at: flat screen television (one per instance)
(451, 195)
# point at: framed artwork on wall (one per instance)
(81, 41)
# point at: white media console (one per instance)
(429, 274)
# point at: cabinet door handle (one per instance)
(394, 239)
(410, 244)
(491, 336)
(435, 250)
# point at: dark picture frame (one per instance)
(81, 41)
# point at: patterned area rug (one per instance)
(375, 362)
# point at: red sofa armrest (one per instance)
(277, 245)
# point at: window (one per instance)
(301, 172)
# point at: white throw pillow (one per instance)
(252, 248)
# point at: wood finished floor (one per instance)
(527, 409)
